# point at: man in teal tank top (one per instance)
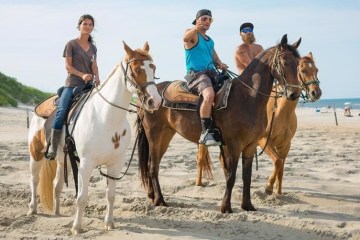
(201, 63)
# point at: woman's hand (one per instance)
(87, 77)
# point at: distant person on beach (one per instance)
(81, 66)
(248, 50)
(201, 63)
(347, 112)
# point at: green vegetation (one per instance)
(12, 92)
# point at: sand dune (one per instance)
(321, 197)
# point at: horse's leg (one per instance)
(34, 181)
(278, 162)
(83, 179)
(202, 150)
(230, 164)
(112, 170)
(58, 184)
(283, 152)
(157, 151)
(247, 159)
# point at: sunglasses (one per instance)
(247, 30)
(204, 19)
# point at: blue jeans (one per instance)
(63, 108)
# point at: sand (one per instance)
(321, 193)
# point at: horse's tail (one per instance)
(45, 187)
(143, 152)
(205, 161)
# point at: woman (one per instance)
(80, 63)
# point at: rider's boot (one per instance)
(54, 142)
(207, 135)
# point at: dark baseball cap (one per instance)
(246, 25)
(200, 13)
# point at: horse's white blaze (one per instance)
(151, 89)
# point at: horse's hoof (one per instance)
(31, 212)
(109, 226)
(249, 207)
(75, 231)
(226, 210)
(160, 203)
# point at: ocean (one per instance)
(353, 103)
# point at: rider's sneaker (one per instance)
(207, 138)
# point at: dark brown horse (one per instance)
(242, 123)
(281, 127)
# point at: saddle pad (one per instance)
(46, 107)
(176, 96)
(176, 92)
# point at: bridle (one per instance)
(129, 78)
(305, 84)
(143, 95)
(278, 69)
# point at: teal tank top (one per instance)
(200, 57)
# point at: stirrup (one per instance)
(207, 139)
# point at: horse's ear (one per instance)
(284, 41)
(146, 47)
(128, 50)
(310, 56)
(296, 44)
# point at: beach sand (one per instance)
(321, 193)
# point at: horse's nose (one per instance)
(316, 94)
(150, 103)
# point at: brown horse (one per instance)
(277, 139)
(285, 123)
(242, 123)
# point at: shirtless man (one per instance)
(248, 50)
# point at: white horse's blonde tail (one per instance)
(46, 186)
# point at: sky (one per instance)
(33, 35)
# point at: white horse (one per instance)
(102, 134)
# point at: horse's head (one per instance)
(307, 74)
(140, 72)
(284, 67)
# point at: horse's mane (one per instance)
(291, 48)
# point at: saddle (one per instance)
(46, 109)
(177, 95)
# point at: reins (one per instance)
(140, 88)
(234, 75)
(128, 166)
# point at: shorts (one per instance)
(200, 82)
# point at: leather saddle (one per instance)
(176, 95)
(46, 109)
